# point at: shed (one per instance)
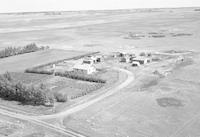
(135, 64)
(142, 60)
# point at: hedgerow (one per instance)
(74, 75)
(39, 71)
(11, 51)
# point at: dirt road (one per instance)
(46, 125)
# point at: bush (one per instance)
(27, 94)
(60, 97)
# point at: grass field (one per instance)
(104, 30)
(21, 62)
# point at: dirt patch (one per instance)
(169, 102)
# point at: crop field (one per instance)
(21, 62)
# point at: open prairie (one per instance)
(104, 30)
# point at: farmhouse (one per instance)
(84, 68)
(142, 60)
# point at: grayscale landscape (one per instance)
(106, 73)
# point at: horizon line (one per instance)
(43, 11)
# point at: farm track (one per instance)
(38, 119)
(57, 129)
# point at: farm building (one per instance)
(88, 60)
(130, 55)
(92, 59)
(117, 54)
(142, 60)
(84, 68)
(126, 59)
(99, 58)
(135, 64)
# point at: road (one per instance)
(54, 128)
(38, 119)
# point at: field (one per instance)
(21, 62)
(104, 30)
(162, 101)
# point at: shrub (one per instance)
(60, 97)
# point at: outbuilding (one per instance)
(142, 60)
(135, 64)
(89, 61)
(126, 59)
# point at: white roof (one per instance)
(135, 62)
(83, 66)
